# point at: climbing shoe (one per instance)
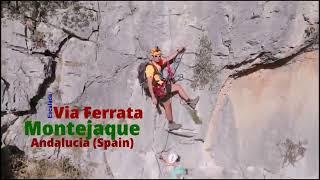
(174, 126)
(193, 102)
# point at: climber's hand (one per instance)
(154, 101)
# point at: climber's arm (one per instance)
(149, 79)
(173, 55)
(149, 74)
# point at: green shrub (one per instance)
(204, 71)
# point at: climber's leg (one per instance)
(191, 102)
(168, 110)
(178, 88)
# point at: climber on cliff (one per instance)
(162, 90)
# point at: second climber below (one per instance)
(161, 90)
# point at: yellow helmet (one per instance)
(155, 51)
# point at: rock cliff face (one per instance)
(253, 64)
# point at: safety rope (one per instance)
(172, 77)
(176, 68)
